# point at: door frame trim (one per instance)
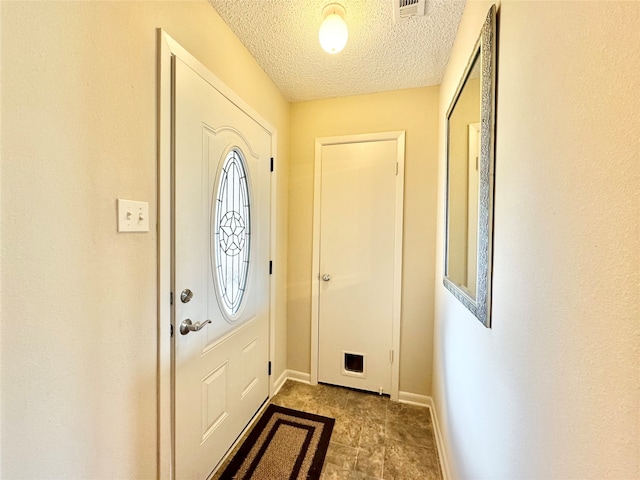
(167, 50)
(399, 137)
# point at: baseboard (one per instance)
(299, 376)
(442, 454)
(290, 375)
(277, 385)
(413, 399)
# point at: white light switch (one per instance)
(133, 216)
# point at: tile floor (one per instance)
(373, 437)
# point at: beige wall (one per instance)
(415, 111)
(553, 389)
(78, 365)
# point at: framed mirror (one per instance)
(470, 172)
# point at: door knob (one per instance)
(188, 326)
(326, 277)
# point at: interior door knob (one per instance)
(326, 277)
(188, 326)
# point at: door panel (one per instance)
(357, 246)
(220, 371)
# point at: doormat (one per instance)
(285, 444)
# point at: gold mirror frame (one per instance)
(478, 302)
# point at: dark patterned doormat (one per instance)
(285, 444)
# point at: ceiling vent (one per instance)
(405, 9)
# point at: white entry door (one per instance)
(359, 259)
(221, 275)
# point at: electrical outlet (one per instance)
(133, 216)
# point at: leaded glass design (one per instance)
(231, 226)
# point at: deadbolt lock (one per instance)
(186, 295)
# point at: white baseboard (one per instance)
(277, 385)
(444, 465)
(413, 399)
(290, 375)
(299, 376)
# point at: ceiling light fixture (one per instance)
(333, 32)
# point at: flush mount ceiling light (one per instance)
(333, 30)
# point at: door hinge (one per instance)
(272, 164)
(171, 298)
(269, 368)
(397, 167)
(171, 330)
(270, 267)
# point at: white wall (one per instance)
(553, 389)
(79, 328)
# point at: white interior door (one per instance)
(221, 254)
(360, 227)
(472, 206)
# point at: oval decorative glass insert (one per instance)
(231, 232)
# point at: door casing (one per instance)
(399, 137)
(167, 49)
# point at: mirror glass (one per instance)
(464, 152)
(469, 197)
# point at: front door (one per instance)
(359, 262)
(221, 209)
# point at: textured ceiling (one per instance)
(282, 35)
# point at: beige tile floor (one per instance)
(373, 437)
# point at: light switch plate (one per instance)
(133, 216)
